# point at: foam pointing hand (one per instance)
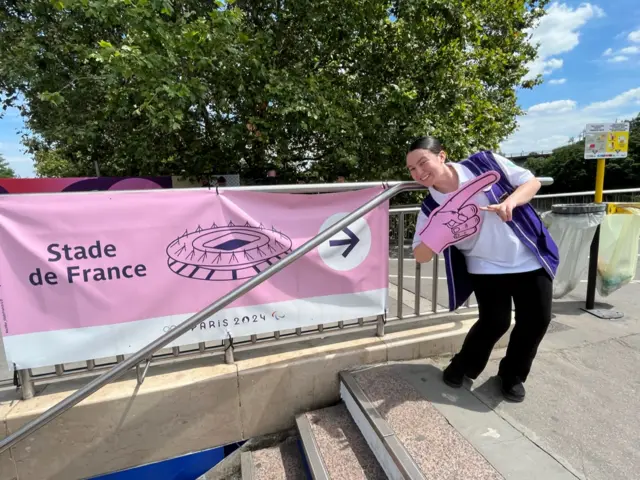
(457, 218)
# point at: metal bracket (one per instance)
(141, 376)
(604, 314)
(228, 350)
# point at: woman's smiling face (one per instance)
(425, 166)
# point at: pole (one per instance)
(599, 180)
(595, 243)
(26, 383)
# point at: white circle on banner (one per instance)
(348, 248)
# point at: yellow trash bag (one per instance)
(618, 253)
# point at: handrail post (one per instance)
(434, 284)
(417, 288)
(400, 282)
(380, 326)
(26, 384)
(228, 351)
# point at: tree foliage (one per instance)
(5, 169)
(148, 87)
(572, 173)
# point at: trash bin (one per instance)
(572, 227)
(618, 253)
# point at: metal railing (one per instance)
(29, 378)
(522, 154)
(149, 353)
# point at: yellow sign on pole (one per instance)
(606, 140)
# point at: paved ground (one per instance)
(584, 390)
(583, 393)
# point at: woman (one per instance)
(512, 257)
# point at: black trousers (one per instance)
(532, 296)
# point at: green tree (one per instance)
(51, 164)
(320, 86)
(5, 170)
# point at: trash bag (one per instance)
(618, 254)
(572, 227)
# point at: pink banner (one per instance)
(96, 275)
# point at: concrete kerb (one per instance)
(285, 378)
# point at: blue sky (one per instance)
(589, 55)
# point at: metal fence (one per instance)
(414, 291)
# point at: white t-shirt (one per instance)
(495, 249)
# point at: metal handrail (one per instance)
(592, 192)
(145, 353)
(285, 188)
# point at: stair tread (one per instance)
(344, 450)
(281, 462)
(437, 448)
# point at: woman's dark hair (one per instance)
(426, 143)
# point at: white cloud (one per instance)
(547, 128)
(558, 81)
(618, 59)
(558, 106)
(608, 52)
(542, 67)
(630, 50)
(626, 99)
(634, 36)
(558, 32)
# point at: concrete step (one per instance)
(418, 428)
(334, 447)
(281, 462)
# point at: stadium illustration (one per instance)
(226, 253)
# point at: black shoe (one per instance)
(513, 390)
(453, 375)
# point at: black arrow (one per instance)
(352, 242)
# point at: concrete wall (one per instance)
(187, 407)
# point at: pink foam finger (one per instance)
(462, 196)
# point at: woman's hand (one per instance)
(422, 253)
(504, 209)
(521, 196)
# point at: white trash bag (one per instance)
(618, 253)
(573, 231)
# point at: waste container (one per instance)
(572, 227)
(618, 253)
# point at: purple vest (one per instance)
(526, 225)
